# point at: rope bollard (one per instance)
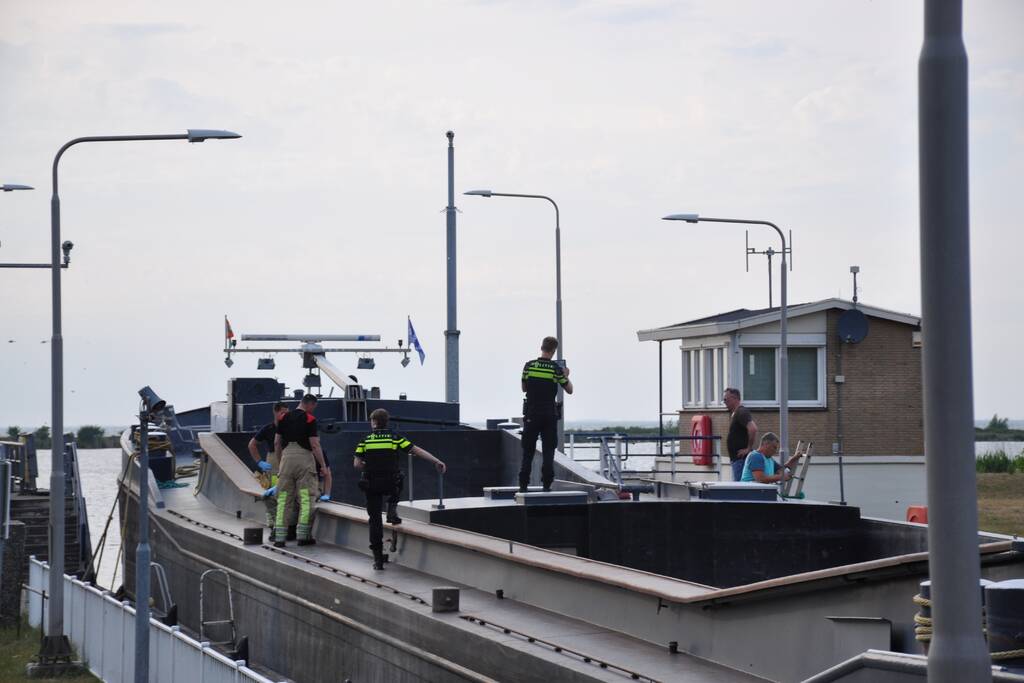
(440, 491)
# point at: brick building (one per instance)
(864, 398)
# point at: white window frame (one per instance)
(704, 376)
(821, 402)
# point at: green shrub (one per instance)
(997, 461)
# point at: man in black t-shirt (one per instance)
(540, 381)
(742, 432)
(268, 465)
(298, 445)
(377, 457)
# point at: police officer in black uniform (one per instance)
(377, 456)
(541, 379)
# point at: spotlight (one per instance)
(150, 401)
(265, 364)
(365, 364)
(67, 247)
(405, 361)
(311, 380)
(228, 362)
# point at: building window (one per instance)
(703, 377)
(806, 376)
(759, 374)
(803, 374)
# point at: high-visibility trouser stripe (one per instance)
(280, 529)
(304, 509)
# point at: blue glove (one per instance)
(272, 491)
(264, 466)
(325, 498)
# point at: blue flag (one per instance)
(414, 342)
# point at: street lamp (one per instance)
(558, 284)
(11, 188)
(783, 311)
(55, 652)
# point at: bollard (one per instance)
(446, 599)
(440, 492)
(252, 535)
(1005, 616)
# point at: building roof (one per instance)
(731, 321)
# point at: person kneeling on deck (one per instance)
(298, 443)
(760, 465)
(377, 457)
(268, 465)
(541, 379)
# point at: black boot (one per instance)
(393, 517)
(378, 556)
(292, 533)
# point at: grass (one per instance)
(17, 651)
(1001, 503)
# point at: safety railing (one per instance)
(102, 630)
(613, 450)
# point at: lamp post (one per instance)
(783, 348)
(151, 404)
(55, 652)
(958, 650)
(558, 285)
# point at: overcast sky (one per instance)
(328, 215)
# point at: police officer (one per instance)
(298, 445)
(541, 379)
(377, 457)
(268, 466)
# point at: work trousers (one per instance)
(270, 479)
(297, 482)
(545, 427)
(378, 489)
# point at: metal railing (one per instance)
(613, 450)
(102, 631)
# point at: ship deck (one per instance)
(523, 628)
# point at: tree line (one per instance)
(87, 436)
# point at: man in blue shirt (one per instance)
(760, 465)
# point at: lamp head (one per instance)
(12, 188)
(202, 134)
(228, 362)
(66, 247)
(150, 401)
(479, 193)
(854, 269)
(405, 361)
(688, 217)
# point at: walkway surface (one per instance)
(504, 621)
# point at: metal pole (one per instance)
(142, 558)
(958, 651)
(5, 510)
(451, 335)
(558, 320)
(440, 490)
(770, 254)
(54, 643)
(783, 357)
(661, 400)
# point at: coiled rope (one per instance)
(923, 631)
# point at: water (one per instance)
(99, 469)
(1011, 448)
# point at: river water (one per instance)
(100, 469)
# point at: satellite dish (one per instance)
(853, 326)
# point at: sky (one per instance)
(328, 215)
